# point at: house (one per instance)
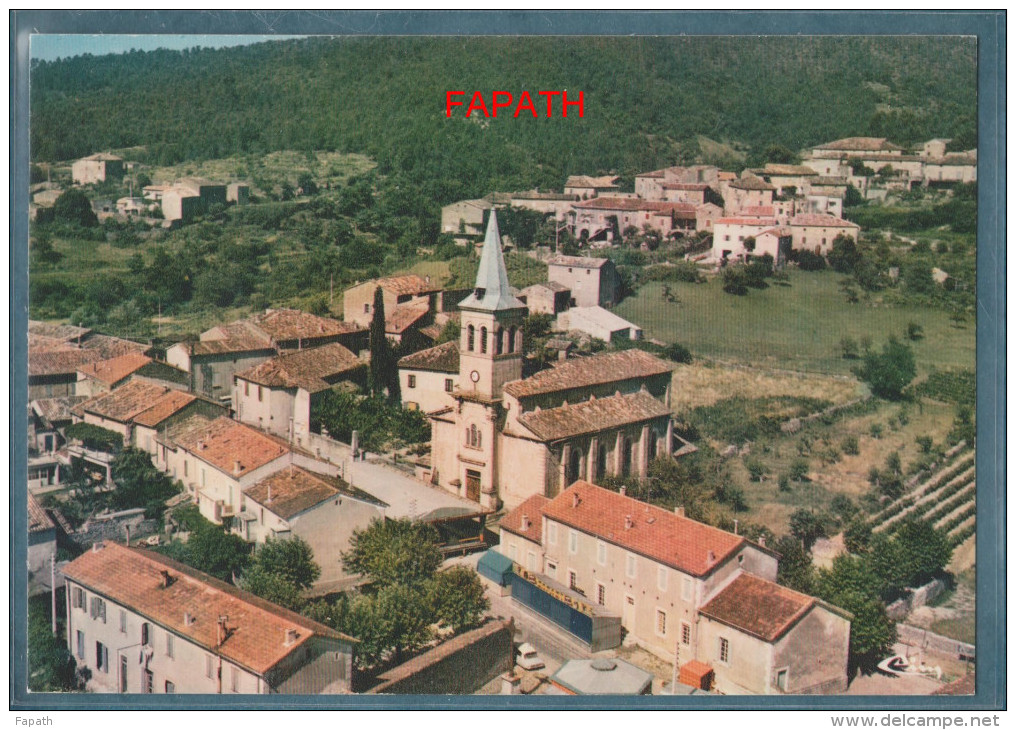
(675, 582)
(293, 329)
(41, 548)
(599, 323)
(789, 180)
(466, 218)
(105, 375)
(952, 168)
(279, 394)
(428, 378)
(507, 437)
(56, 351)
(190, 197)
(816, 233)
(555, 204)
(748, 190)
(97, 168)
(607, 218)
(593, 281)
(731, 233)
(237, 193)
(358, 301)
(585, 186)
(142, 623)
(405, 323)
(549, 297)
(324, 511)
(855, 147)
(218, 459)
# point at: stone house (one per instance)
(548, 297)
(677, 582)
(97, 168)
(322, 510)
(599, 323)
(428, 378)
(464, 219)
(142, 623)
(106, 375)
(358, 301)
(746, 191)
(190, 197)
(607, 218)
(729, 235)
(278, 395)
(585, 186)
(56, 351)
(593, 282)
(41, 547)
(555, 204)
(816, 232)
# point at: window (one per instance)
(366, 308)
(686, 633)
(146, 634)
(473, 437)
(552, 533)
(209, 666)
(170, 688)
(601, 594)
(483, 340)
(661, 622)
(412, 381)
(123, 673)
(498, 341)
(101, 658)
(470, 338)
(631, 566)
(234, 683)
(259, 394)
(448, 385)
(169, 645)
(246, 388)
(552, 570)
(687, 589)
(781, 679)
(724, 654)
(81, 644)
(601, 552)
(661, 578)
(185, 470)
(147, 680)
(123, 622)
(513, 334)
(573, 579)
(573, 542)
(78, 598)
(98, 609)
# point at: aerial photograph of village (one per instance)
(503, 366)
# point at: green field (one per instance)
(796, 327)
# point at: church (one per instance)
(505, 438)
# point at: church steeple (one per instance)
(492, 292)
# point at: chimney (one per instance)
(525, 523)
(575, 499)
(188, 618)
(623, 491)
(710, 558)
(679, 510)
(167, 579)
(221, 631)
(237, 467)
(268, 499)
(735, 527)
(201, 445)
(96, 547)
(761, 540)
(290, 637)
(628, 522)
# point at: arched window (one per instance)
(601, 462)
(470, 338)
(511, 340)
(483, 339)
(574, 465)
(626, 457)
(653, 445)
(498, 341)
(517, 337)
(146, 634)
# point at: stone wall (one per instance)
(461, 665)
(114, 526)
(924, 639)
(915, 598)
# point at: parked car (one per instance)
(528, 658)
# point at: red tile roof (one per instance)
(681, 543)
(745, 221)
(53, 410)
(311, 369)
(113, 371)
(295, 490)
(751, 182)
(787, 170)
(684, 186)
(109, 347)
(405, 316)
(655, 206)
(443, 358)
(58, 361)
(38, 520)
(223, 442)
(758, 211)
(62, 332)
(531, 509)
(758, 607)
(550, 424)
(168, 404)
(124, 403)
(608, 367)
(256, 629)
(587, 181)
(817, 219)
(292, 324)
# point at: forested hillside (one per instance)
(647, 100)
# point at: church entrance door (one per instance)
(473, 485)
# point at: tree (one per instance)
(291, 559)
(388, 624)
(735, 280)
(390, 552)
(74, 207)
(271, 587)
(214, 551)
(857, 536)
(51, 667)
(843, 255)
(305, 181)
(139, 483)
(456, 598)
(384, 373)
(923, 550)
(917, 276)
(795, 569)
(807, 527)
(890, 371)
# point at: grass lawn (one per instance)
(795, 327)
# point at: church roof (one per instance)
(492, 291)
(592, 416)
(608, 367)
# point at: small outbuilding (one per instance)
(602, 676)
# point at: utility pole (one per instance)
(52, 590)
(331, 289)
(677, 661)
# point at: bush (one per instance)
(677, 353)
(850, 446)
(808, 261)
(735, 280)
(799, 470)
(890, 371)
(95, 437)
(756, 469)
